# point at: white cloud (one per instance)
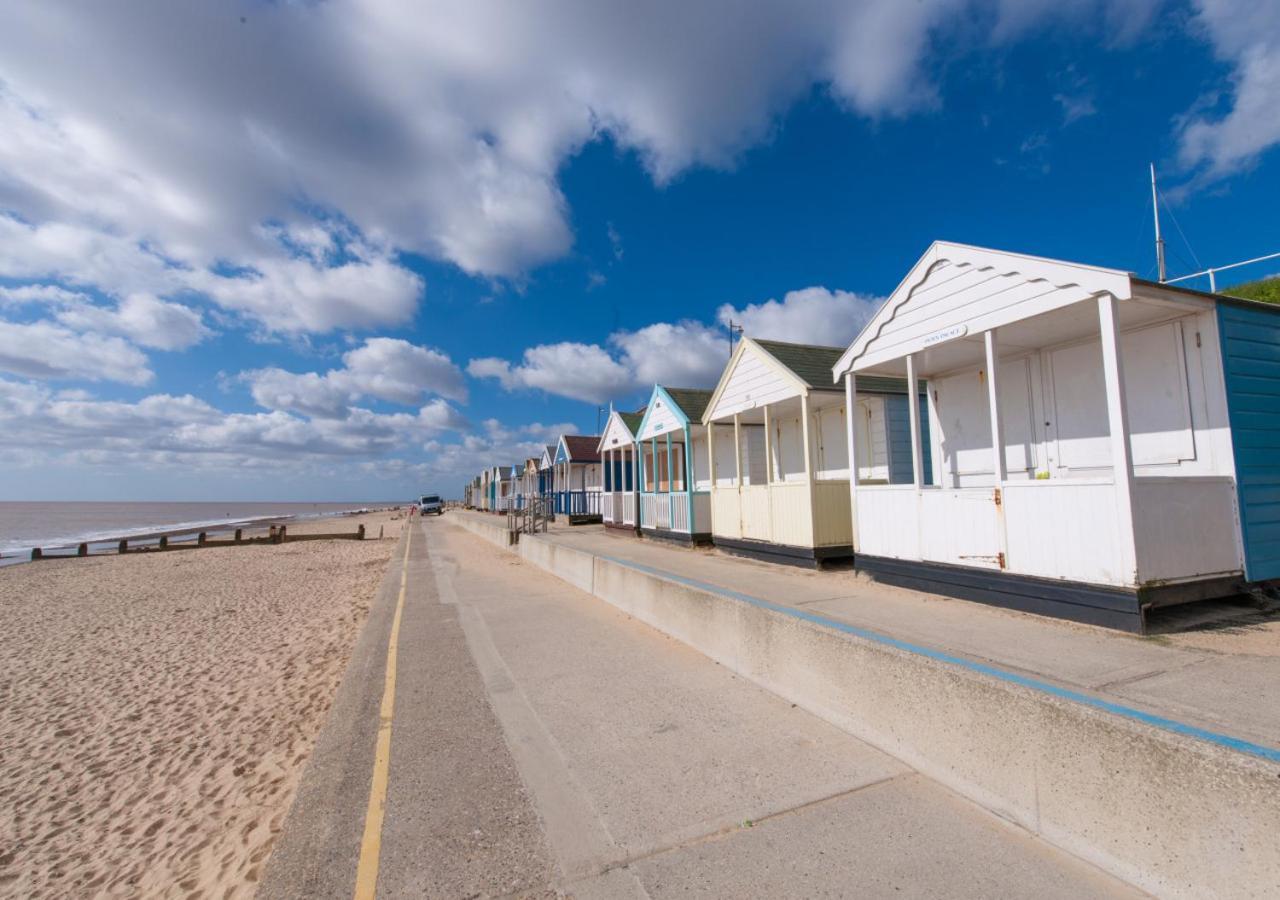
(684, 354)
(1245, 34)
(813, 315)
(165, 428)
(578, 371)
(143, 319)
(681, 354)
(427, 127)
(386, 368)
(47, 350)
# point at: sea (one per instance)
(59, 526)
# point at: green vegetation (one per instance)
(1266, 289)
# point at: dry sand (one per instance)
(156, 710)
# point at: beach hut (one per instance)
(547, 474)
(779, 461)
(577, 475)
(1101, 444)
(529, 487)
(675, 466)
(618, 502)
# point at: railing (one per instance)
(629, 508)
(679, 512)
(606, 508)
(578, 503)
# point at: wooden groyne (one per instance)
(276, 534)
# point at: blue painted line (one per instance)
(1268, 753)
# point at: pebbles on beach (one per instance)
(156, 710)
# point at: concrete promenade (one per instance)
(1223, 677)
(1174, 786)
(545, 743)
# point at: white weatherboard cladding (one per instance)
(1155, 381)
(753, 468)
(831, 447)
(788, 461)
(660, 420)
(956, 290)
(753, 382)
(616, 435)
(963, 414)
(701, 462)
(726, 471)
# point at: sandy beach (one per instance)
(156, 710)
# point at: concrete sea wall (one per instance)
(1171, 813)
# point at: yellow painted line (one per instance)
(371, 843)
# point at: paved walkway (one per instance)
(1217, 666)
(543, 741)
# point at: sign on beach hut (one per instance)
(779, 461)
(675, 466)
(1093, 438)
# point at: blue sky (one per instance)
(354, 249)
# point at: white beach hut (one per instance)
(1100, 444)
(675, 466)
(779, 466)
(618, 502)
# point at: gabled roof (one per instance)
(691, 401)
(809, 362)
(580, 447)
(973, 289)
(629, 423)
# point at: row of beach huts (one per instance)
(1042, 435)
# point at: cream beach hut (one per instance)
(618, 502)
(675, 467)
(779, 462)
(1101, 444)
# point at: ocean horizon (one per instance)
(25, 524)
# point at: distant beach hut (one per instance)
(1100, 444)
(578, 481)
(779, 460)
(675, 483)
(547, 474)
(618, 504)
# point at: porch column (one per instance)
(737, 447)
(913, 409)
(851, 436)
(768, 447)
(1118, 422)
(993, 401)
(671, 475)
(711, 453)
(808, 466)
(688, 475)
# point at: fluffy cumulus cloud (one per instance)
(384, 368)
(1230, 135)
(48, 350)
(681, 354)
(436, 128)
(813, 315)
(161, 428)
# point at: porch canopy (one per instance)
(1026, 367)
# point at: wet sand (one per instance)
(156, 710)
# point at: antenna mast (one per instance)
(735, 329)
(1155, 211)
